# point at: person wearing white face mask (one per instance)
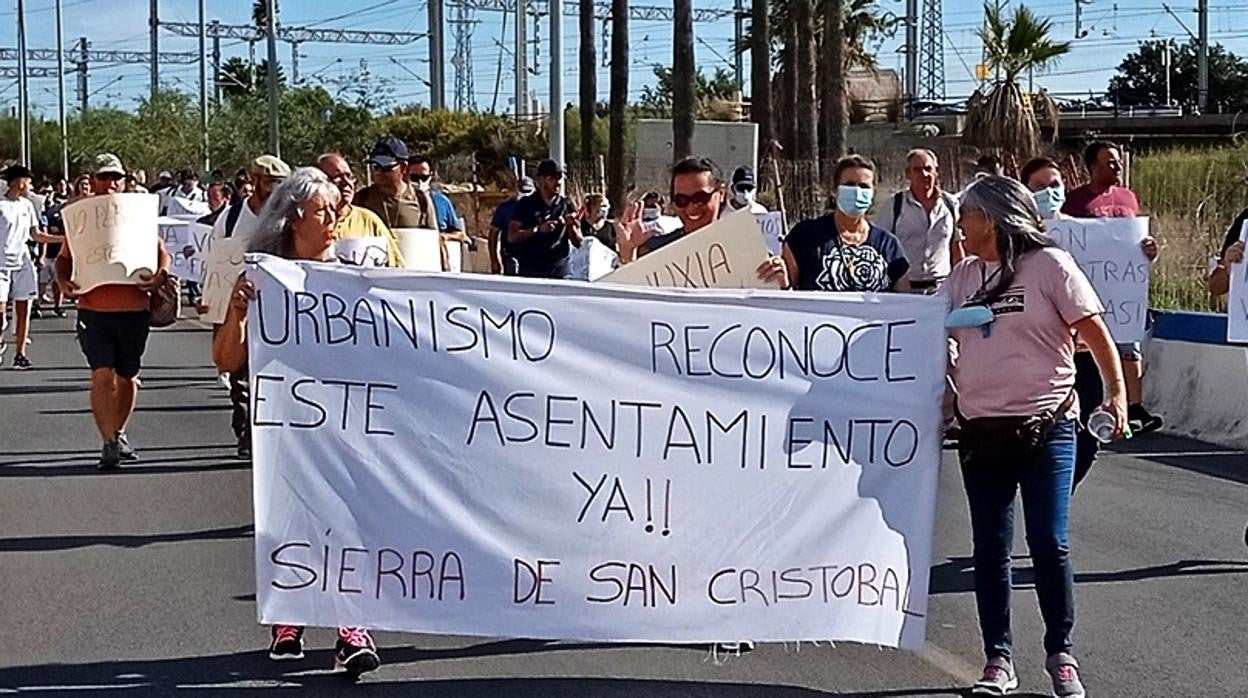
(594, 223)
(743, 191)
(842, 251)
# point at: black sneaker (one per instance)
(110, 457)
(59, 312)
(20, 362)
(36, 313)
(124, 448)
(1142, 421)
(355, 652)
(287, 643)
(244, 448)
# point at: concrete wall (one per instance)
(1197, 381)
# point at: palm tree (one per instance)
(835, 116)
(589, 80)
(616, 186)
(760, 76)
(682, 78)
(807, 112)
(999, 116)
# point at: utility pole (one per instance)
(203, 88)
(522, 59)
(1167, 61)
(912, 52)
(275, 137)
(60, 92)
(294, 63)
(556, 81)
(1202, 95)
(82, 72)
(437, 55)
(154, 26)
(216, 63)
(738, 27)
(23, 97)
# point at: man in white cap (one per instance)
(112, 330)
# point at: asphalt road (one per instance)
(143, 579)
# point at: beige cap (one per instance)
(107, 163)
(270, 165)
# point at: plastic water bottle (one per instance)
(1101, 425)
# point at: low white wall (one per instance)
(1200, 389)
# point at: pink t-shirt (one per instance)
(1115, 202)
(1026, 365)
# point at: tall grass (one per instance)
(1192, 195)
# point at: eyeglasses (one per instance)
(701, 198)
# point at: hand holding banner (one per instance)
(113, 238)
(725, 254)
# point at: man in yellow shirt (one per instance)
(355, 222)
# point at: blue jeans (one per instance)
(1044, 476)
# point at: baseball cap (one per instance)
(388, 152)
(271, 166)
(165, 174)
(743, 176)
(107, 163)
(549, 168)
(526, 186)
(13, 172)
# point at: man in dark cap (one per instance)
(502, 260)
(19, 230)
(544, 227)
(743, 192)
(395, 201)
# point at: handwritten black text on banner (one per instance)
(502, 457)
(1109, 253)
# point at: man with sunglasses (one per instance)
(697, 195)
(112, 330)
(544, 227)
(390, 196)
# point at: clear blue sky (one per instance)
(1114, 30)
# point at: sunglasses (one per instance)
(421, 177)
(701, 198)
(382, 168)
(111, 176)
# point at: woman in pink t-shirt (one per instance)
(1016, 299)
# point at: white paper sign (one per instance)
(725, 254)
(421, 248)
(223, 264)
(1237, 302)
(1108, 251)
(112, 237)
(474, 455)
(592, 260)
(772, 225)
(184, 241)
(363, 252)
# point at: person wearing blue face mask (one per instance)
(842, 251)
(1043, 178)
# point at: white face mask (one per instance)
(423, 185)
(650, 213)
(604, 212)
(743, 197)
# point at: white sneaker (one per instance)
(998, 679)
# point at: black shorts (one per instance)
(113, 340)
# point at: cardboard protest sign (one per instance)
(725, 254)
(1108, 251)
(421, 248)
(1237, 301)
(772, 225)
(363, 252)
(223, 264)
(112, 237)
(592, 260)
(484, 456)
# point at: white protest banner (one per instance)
(725, 254)
(112, 237)
(421, 248)
(180, 206)
(1237, 301)
(591, 261)
(191, 258)
(223, 264)
(175, 232)
(1108, 251)
(454, 255)
(772, 225)
(363, 252)
(475, 455)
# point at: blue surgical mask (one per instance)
(853, 200)
(969, 316)
(1050, 201)
(604, 212)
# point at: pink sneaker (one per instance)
(355, 652)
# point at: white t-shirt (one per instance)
(17, 218)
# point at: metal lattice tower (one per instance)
(932, 53)
(465, 86)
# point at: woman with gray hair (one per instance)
(297, 222)
(1018, 301)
